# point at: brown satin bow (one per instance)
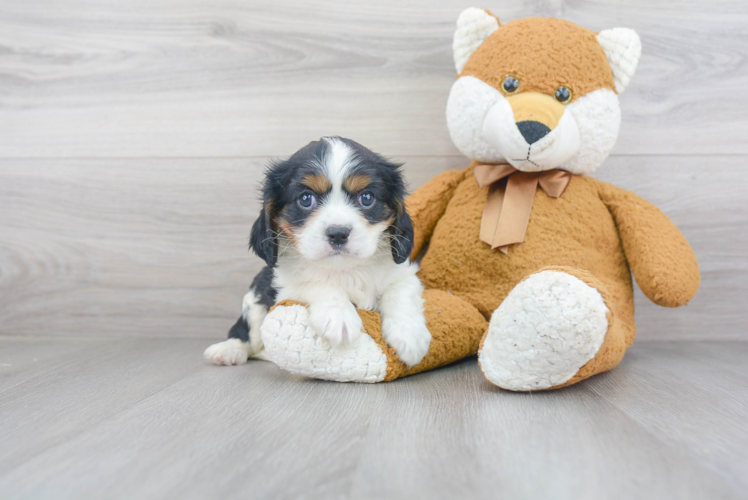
(508, 206)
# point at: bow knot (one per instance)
(509, 202)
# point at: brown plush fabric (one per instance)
(456, 329)
(542, 54)
(430, 205)
(659, 255)
(578, 233)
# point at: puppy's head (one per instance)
(333, 200)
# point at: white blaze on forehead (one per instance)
(337, 163)
(335, 208)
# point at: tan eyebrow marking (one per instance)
(356, 183)
(317, 183)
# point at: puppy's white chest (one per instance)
(359, 288)
(310, 284)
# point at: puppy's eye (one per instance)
(366, 200)
(307, 201)
(563, 94)
(510, 85)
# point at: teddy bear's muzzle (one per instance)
(532, 131)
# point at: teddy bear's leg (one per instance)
(291, 343)
(555, 328)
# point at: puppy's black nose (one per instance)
(532, 131)
(338, 235)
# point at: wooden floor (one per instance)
(147, 418)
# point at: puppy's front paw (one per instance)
(408, 336)
(337, 323)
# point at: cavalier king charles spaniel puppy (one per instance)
(335, 235)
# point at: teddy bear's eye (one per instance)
(563, 94)
(510, 85)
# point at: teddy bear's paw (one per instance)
(547, 328)
(292, 344)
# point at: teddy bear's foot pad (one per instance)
(291, 343)
(548, 327)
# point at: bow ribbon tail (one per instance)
(507, 210)
(489, 223)
(520, 193)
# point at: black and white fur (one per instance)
(335, 235)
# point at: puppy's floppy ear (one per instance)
(263, 240)
(402, 235)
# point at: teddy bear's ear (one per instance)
(622, 47)
(473, 27)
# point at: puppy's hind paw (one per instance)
(229, 352)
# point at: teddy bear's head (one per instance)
(538, 93)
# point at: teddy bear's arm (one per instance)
(661, 259)
(427, 205)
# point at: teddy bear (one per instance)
(526, 260)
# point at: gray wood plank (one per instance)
(664, 424)
(77, 390)
(22, 357)
(701, 410)
(233, 78)
(158, 247)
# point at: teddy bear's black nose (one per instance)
(532, 131)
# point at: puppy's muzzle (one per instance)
(338, 235)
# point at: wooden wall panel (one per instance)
(158, 247)
(134, 135)
(234, 78)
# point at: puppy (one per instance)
(335, 235)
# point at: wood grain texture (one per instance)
(108, 247)
(158, 247)
(167, 112)
(146, 418)
(232, 78)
